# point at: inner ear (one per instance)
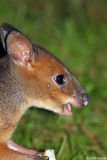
(19, 48)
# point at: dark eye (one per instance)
(60, 79)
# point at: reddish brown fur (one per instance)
(27, 80)
(8, 154)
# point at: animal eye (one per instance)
(60, 79)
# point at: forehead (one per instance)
(48, 64)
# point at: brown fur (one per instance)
(26, 80)
(8, 154)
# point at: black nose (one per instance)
(85, 99)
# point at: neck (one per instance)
(8, 122)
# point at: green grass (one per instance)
(82, 45)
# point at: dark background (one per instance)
(76, 32)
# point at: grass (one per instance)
(82, 47)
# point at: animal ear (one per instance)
(17, 45)
(19, 48)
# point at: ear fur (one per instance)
(19, 48)
(17, 45)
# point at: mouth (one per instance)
(67, 110)
(75, 103)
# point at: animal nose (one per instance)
(85, 98)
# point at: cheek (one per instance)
(58, 98)
(52, 105)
